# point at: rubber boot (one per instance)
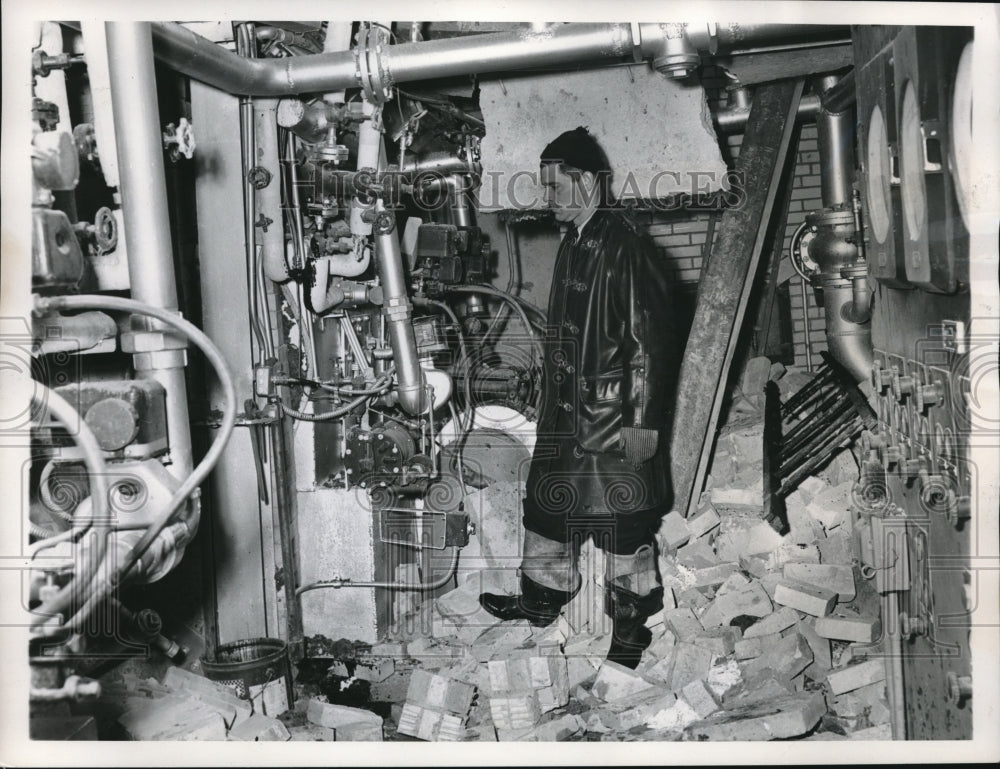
(629, 612)
(536, 603)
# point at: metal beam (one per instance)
(725, 287)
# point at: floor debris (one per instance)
(768, 631)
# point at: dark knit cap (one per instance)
(577, 148)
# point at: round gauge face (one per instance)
(878, 175)
(961, 131)
(911, 150)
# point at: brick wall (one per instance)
(684, 239)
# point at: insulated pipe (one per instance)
(147, 224)
(199, 58)
(272, 235)
(412, 387)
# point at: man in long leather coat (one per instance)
(601, 464)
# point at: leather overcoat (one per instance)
(612, 359)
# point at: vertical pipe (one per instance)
(398, 312)
(147, 223)
(805, 324)
(836, 143)
(272, 239)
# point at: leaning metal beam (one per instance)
(725, 288)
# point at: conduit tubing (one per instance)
(549, 46)
(339, 582)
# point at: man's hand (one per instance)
(639, 444)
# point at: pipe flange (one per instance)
(259, 177)
(372, 75)
(831, 217)
(384, 223)
(105, 230)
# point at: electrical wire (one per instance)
(484, 289)
(382, 384)
(194, 480)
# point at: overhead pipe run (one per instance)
(674, 48)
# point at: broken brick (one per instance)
(692, 598)
(859, 629)
(683, 623)
(705, 520)
(556, 730)
(675, 717)
(260, 728)
(636, 711)
(363, 731)
(780, 620)
(690, 662)
(713, 576)
(839, 579)
(721, 641)
(856, 676)
(836, 548)
(700, 698)
(762, 686)
(789, 552)
(697, 555)
(880, 732)
(822, 656)
(790, 716)
(616, 682)
(673, 532)
(789, 656)
(312, 733)
(809, 599)
(738, 596)
(174, 717)
(744, 540)
(332, 715)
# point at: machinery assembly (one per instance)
(287, 352)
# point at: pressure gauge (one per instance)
(879, 174)
(912, 165)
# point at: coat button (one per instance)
(577, 451)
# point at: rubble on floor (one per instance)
(768, 631)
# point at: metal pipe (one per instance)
(552, 45)
(398, 314)
(848, 340)
(272, 234)
(144, 207)
(836, 143)
(734, 119)
(339, 582)
(841, 96)
(442, 163)
(201, 59)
